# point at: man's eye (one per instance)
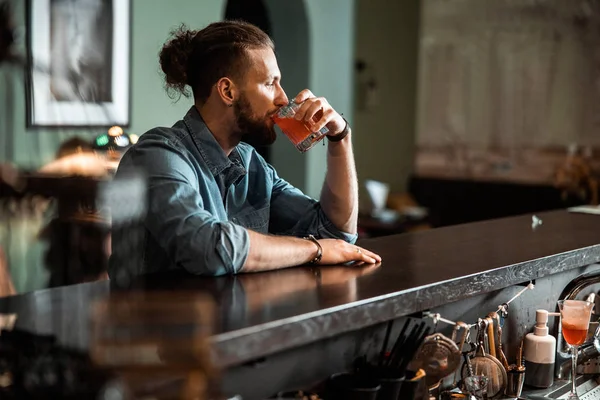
(271, 84)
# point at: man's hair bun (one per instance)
(174, 60)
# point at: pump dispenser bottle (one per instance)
(539, 352)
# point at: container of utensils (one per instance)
(388, 377)
(352, 386)
(414, 386)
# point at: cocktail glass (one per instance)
(575, 319)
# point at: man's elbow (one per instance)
(221, 250)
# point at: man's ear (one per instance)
(227, 91)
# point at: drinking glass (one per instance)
(476, 386)
(298, 132)
(575, 319)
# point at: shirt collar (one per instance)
(209, 148)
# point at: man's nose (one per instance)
(281, 99)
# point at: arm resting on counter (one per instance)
(274, 252)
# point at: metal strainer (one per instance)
(438, 356)
(487, 365)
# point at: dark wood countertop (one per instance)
(262, 313)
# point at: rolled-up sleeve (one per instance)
(295, 214)
(192, 237)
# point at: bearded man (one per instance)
(215, 206)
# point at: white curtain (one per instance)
(509, 75)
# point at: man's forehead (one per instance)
(263, 63)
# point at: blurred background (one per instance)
(462, 110)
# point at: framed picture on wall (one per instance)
(79, 52)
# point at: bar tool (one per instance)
(439, 356)
(349, 386)
(499, 350)
(516, 375)
(485, 365)
(477, 386)
(466, 355)
(461, 344)
(491, 338)
(514, 385)
(406, 346)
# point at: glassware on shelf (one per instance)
(476, 386)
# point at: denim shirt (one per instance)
(201, 203)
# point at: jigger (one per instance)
(515, 381)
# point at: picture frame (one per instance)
(79, 63)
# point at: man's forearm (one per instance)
(339, 197)
(275, 252)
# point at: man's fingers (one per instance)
(357, 254)
(308, 109)
(301, 112)
(325, 119)
(370, 254)
(312, 110)
(303, 95)
(376, 257)
(368, 259)
(365, 255)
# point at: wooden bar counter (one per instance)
(272, 312)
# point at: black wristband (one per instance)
(319, 249)
(340, 136)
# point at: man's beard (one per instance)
(255, 132)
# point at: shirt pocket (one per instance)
(257, 220)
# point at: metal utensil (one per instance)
(438, 356)
(491, 336)
(477, 386)
(466, 356)
(466, 331)
(499, 351)
(520, 365)
(405, 348)
(486, 365)
(514, 385)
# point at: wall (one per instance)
(387, 35)
(328, 73)
(318, 57)
(151, 22)
(332, 57)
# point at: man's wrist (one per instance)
(342, 135)
(319, 254)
